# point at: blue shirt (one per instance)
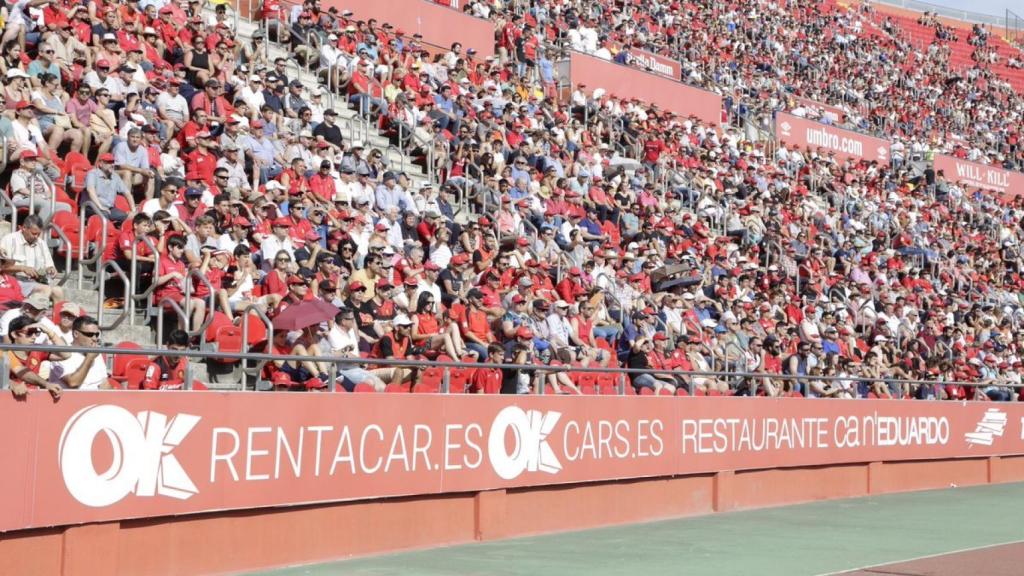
(107, 187)
(393, 197)
(123, 156)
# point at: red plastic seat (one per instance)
(121, 360)
(141, 374)
(458, 379)
(682, 392)
(257, 331)
(229, 339)
(361, 388)
(646, 392)
(219, 321)
(69, 224)
(397, 388)
(430, 380)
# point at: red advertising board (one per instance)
(439, 25)
(654, 63)
(626, 82)
(845, 144)
(97, 456)
(833, 113)
(976, 175)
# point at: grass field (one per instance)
(809, 539)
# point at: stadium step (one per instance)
(124, 332)
(346, 116)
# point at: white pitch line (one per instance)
(925, 557)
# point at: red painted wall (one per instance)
(627, 82)
(249, 540)
(438, 24)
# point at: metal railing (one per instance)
(622, 374)
(253, 371)
(40, 176)
(163, 305)
(61, 240)
(83, 260)
(211, 295)
(101, 276)
(134, 297)
(7, 207)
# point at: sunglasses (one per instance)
(89, 334)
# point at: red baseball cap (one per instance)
(282, 221)
(294, 280)
(105, 158)
(241, 221)
(524, 332)
(315, 384)
(431, 266)
(357, 285)
(411, 281)
(460, 259)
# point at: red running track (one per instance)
(1000, 560)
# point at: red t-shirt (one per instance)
(202, 162)
(173, 289)
(487, 380)
(10, 289)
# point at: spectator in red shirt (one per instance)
(476, 326)
(488, 380)
(171, 278)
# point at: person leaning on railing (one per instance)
(83, 371)
(25, 367)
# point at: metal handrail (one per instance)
(401, 156)
(315, 45)
(254, 371)
(39, 174)
(62, 238)
(163, 305)
(101, 280)
(8, 203)
(3, 153)
(96, 258)
(340, 360)
(132, 297)
(188, 300)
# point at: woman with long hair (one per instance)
(54, 123)
(427, 329)
(198, 63)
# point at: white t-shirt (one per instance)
(340, 339)
(174, 106)
(93, 380)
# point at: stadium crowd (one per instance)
(542, 244)
(769, 56)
